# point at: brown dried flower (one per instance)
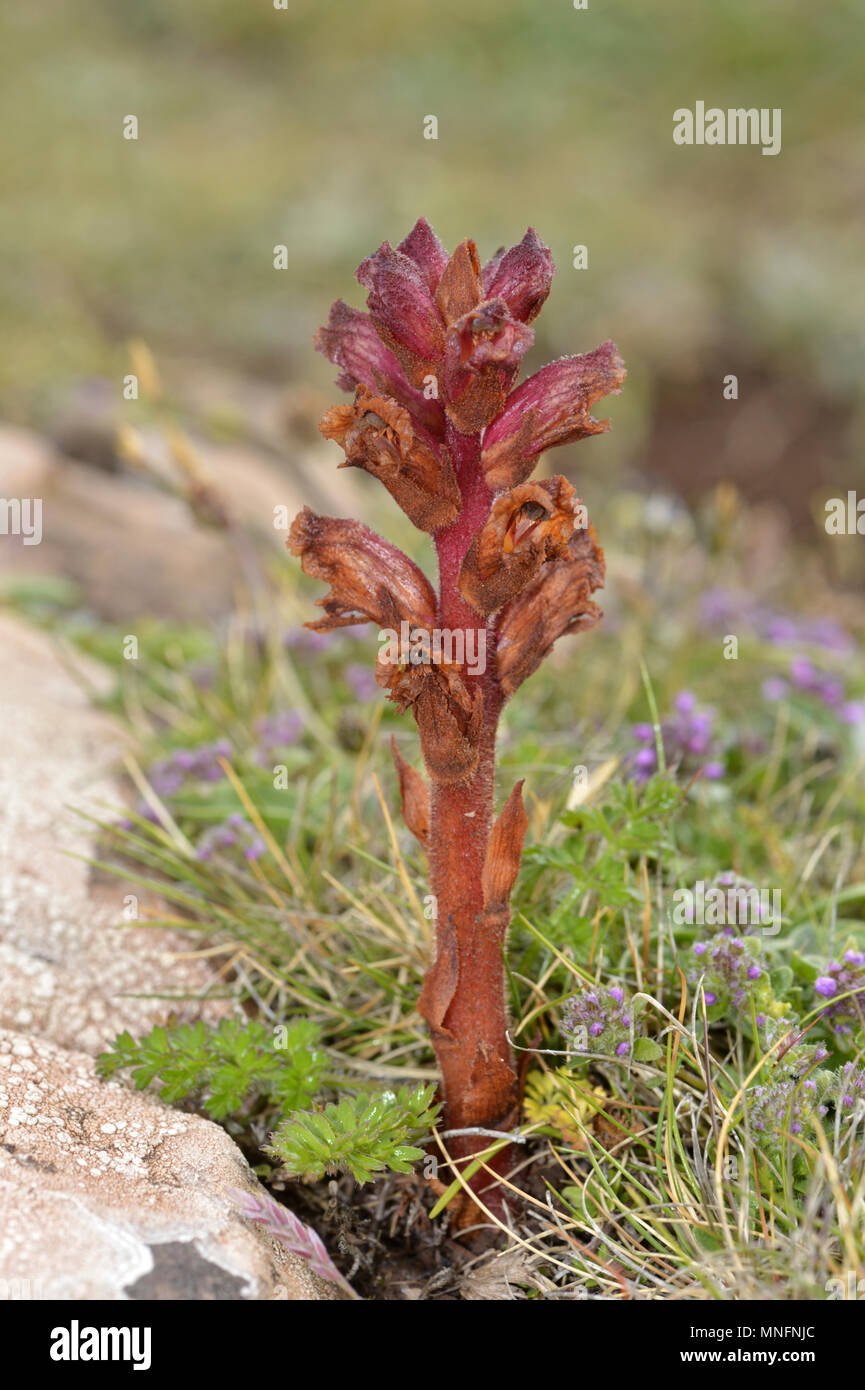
(380, 436)
(528, 526)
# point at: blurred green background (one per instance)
(305, 127)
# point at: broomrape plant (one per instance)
(438, 418)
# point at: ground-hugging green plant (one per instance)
(363, 1135)
(226, 1067)
(237, 1067)
(438, 419)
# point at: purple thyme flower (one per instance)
(170, 774)
(733, 905)
(688, 738)
(275, 731)
(301, 639)
(849, 1087)
(362, 681)
(786, 1106)
(600, 1021)
(235, 836)
(822, 685)
(775, 688)
(729, 610)
(729, 968)
(845, 1016)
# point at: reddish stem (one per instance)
(479, 1083)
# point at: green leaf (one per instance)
(361, 1135)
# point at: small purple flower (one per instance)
(685, 702)
(823, 686)
(831, 691)
(301, 639)
(849, 1086)
(276, 731)
(775, 688)
(599, 1021)
(846, 1017)
(803, 673)
(197, 764)
(688, 738)
(728, 969)
(362, 681)
(232, 837)
(780, 630)
(784, 1106)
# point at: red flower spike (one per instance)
(437, 419)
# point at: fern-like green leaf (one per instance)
(228, 1066)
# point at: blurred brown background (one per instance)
(304, 127)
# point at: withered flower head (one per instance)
(370, 579)
(449, 713)
(380, 437)
(483, 343)
(528, 526)
(557, 602)
(482, 355)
